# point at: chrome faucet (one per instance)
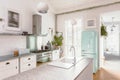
(74, 58)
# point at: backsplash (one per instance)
(9, 43)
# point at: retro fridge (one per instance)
(89, 47)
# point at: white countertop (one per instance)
(7, 57)
(47, 72)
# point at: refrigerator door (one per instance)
(89, 47)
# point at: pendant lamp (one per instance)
(42, 7)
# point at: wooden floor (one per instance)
(109, 71)
(104, 74)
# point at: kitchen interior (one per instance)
(52, 39)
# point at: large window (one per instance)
(76, 40)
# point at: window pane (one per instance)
(76, 39)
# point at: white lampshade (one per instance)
(42, 7)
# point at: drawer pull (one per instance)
(29, 64)
(29, 58)
(7, 63)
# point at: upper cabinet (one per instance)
(38, 28)
(45, 23)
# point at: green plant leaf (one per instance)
(103, 31)
(57, 41)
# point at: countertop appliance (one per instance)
(43, 55)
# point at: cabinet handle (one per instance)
(29, 64)
(16, 67)
(29, 58)
(7, 63)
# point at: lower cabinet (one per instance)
(27, 63)
(87, 73)
(13, 66)
(9, 68)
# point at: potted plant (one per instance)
(57, 43)
(103, 30)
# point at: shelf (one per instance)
(12, 34)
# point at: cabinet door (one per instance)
(10, 72)
(87, 73)
(9, 68)
(45, 24)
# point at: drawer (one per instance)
(27, 66)
(16, 66)
(27, 59)
(8, 63)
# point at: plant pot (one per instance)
(55, 55)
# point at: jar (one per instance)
(16, 53)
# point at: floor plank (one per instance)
(104, 74)
(110, 69)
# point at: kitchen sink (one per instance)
(65, 63)
(61, 64)
(70, 60)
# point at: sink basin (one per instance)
(61, 64)
(70, 60)
(65, 63)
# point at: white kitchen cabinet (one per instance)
(9, 68)
(87, 73)
(55, 55)
(27, 62)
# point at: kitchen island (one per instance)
(83, 70)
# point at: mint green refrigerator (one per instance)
(89, 47)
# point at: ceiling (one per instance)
(65, 4)
(61, 6)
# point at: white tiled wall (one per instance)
(9, 43)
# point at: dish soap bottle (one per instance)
(49, 45)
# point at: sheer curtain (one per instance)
(77, 38)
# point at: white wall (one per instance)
(48, 21)
(26, 8)
(10, 43)
(20, 7)
(88, 14)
